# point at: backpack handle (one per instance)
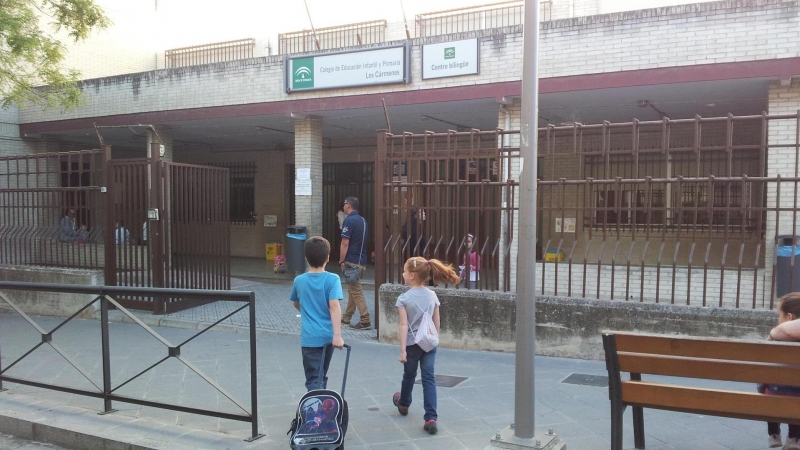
(346, 365)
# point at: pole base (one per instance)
(103, 413)
(506, 440)
(253, 438)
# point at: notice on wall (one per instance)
(304, 173)
(302, 187)
(366, 67)
(270, 221)
(450, 59)
(568, 225)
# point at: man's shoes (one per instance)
(345, 322)
(430, 427)
(361, 326)
(792, 444)
(775, 441)
(403, 410)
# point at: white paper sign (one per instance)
(569, 225)
(304, 174)
(270, 221)
(302, 187)
(450, 59)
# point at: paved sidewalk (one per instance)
(275, 314)
(469, 413)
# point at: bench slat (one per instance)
(764, 352)
(709, 369)
(744, 405)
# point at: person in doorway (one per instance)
(412, 306)
(788, 329)
(353, 253)
(69, 231)
(470, 266)
(317, 295)
(416, 245)
(121, 234)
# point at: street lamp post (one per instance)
(521, 434)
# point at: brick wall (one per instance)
(781, 160)
(662, 37)
(308, 155)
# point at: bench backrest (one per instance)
(704, 358)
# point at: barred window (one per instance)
(242, 191)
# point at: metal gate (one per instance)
(170, 227)
(433, 189)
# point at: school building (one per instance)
(668, 142)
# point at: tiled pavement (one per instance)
(469, 413)
(275, 314)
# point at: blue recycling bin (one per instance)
(784, 275)
(295, 256)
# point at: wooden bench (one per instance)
(700, 358)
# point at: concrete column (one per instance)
(308, 155)
(162, 135)
(784, 98)
(509, 119)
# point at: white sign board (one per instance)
(302, 186)
(348, 69)
(568, 225)
(303, 173)
(450, 59)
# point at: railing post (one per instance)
(380, 221)
(107, 408)
(110, 249)
(1, 377)
(156, 234)
(253, 371)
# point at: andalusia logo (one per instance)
(450, 53)
(303, 76)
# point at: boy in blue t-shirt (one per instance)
(316, 294)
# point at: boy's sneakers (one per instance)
(775, 441)
(403, 410)
(361, 326)
(791, 443)
(430, 426)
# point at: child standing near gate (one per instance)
(788, 329)
(411, 306)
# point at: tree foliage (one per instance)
(31, 57)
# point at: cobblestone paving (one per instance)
(274, 311)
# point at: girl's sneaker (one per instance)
(791, 444)
(775, 441)
(403, 410)
(430, 427)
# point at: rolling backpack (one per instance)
(322, 415)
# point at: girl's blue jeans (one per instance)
(415, 356)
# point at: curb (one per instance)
(62, 437)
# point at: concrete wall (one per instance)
(568, 327)
(50, 303)
(662, 37)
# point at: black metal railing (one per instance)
(340, 36)
(108, 392)
(473, 18)
(209, 53)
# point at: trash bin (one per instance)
(784, 275)
(295, 257)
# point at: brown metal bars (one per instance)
(209, 53)
(472, 18)
(351, 35)
(681, 211)
(436, 189)
(51, 213)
